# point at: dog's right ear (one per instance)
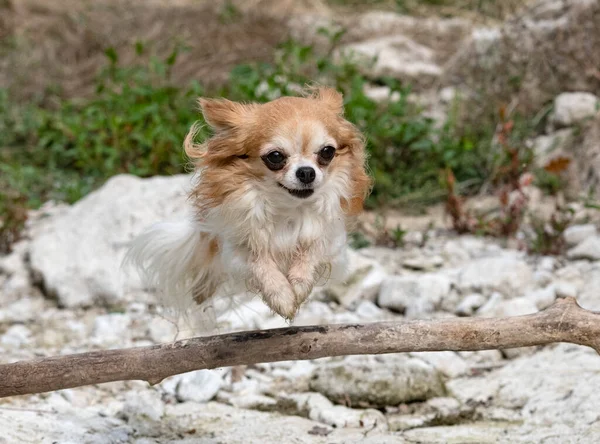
(223, 114)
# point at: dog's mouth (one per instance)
(302, 194)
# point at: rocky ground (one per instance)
(61, 291)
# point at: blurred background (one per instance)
(483, 129)
(93, 89)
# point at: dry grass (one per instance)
(50, 42)
(475, 10)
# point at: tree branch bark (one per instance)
(565, 321)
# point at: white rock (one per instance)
(414, 295)
(143, 404)
(317, 407)
(547, 263)
(365, 276)
(397, 56)
(422, 262)
(162, 330)
(78, 253)
(297, 370)
(575, 234)
(510, 307)
(197, 386)
(556, 396)
(381, 93)
(449, 363)
(547, 146)
(565, 289)
(384, 381)
(23, 310)
(543, 297)
(111, 329)
(413, 237)
(505, 274)
(542, 278)
(253, 401)
(455, 253)
(368, 311)
(341, 416)
(588, 249)
(16, 336)
(470, 304)
(571, 108)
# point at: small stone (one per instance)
(449, 363)
(571, 108)
(368, 311)
(423, 262)
(400, 422)
(144, 404)
(547, 263)
(576, 234)
(543, 297)
(588, 249)
(470, 304)
(505, 274)
(111, 329)
(161, 330)
(511, 307)
(199, 386)
(413, 295)
(413, 237)
(397, 56)
(454, 252)
(16, 336)
(542, 278)
(23, 310)
(341, 416)
(253, 402)
(565, 289)
(362, 283)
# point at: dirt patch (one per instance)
(62, 43)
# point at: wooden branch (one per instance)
(565, 321)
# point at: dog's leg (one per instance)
(302, 272)
(274, 286)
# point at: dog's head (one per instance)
(293, 149)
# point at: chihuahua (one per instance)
(277, 187)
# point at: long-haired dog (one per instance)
(278, 185)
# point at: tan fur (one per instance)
(231, 168)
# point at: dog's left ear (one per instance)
(331, 97)
(223, 114)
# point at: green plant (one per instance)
(547, 237)
(134, 124)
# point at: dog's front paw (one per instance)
(283, 302)
(302, 289)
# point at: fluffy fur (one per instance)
(257, 225)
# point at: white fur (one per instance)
(266, 219)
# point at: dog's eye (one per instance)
(326, 154)
(275, 160)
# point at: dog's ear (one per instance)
(331, 97)
(223, 114)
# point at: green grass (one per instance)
(138, 118)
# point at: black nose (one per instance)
(306, 174)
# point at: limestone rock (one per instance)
(572, 108)
(414, 295)
(78, 253)
(385, 381)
